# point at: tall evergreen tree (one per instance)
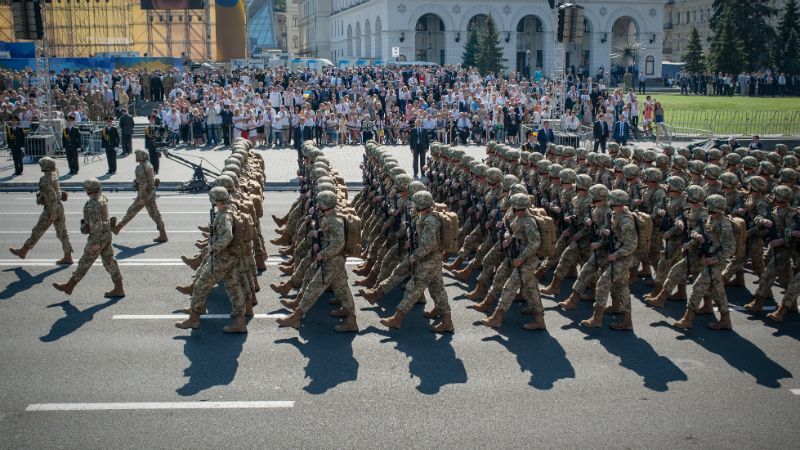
(693, 56)
(490, 57)
(784, 46)
(750, 26)
(727, 50)
(790, 61)
(471, 49)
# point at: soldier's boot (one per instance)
(571, 302)
(66, 287)
(477, 293)
(278, 221)
(286, 251)
(680, 294)
(185, 289)
(777, 315)
(587, 297)
(613, 308)
(291, 321)
(658, 300)
(192, 322)
(540, 272)
(203, 228)
(67, 259)
(483, 306)
(554, 288)
(348, 326)
(339, 312)
(596, 321)
(162, 235)
(756, 305)
(364, 271)
(289, 262)
(116, 292)
(283, 240)
(117, 228)
(291, 304)
(248, 306)
(456, 264)
(495, 319)
(625, 324)
(239, 325)
(537, 323)
(256, 287)
(686, 321)
(371, 279)
(21, 252)
(737, 280)
(724, 322)
(464, 274)
(708, 307)
(286, 270)
(282, 288)
(371, 295)
(201, 244)
(573, 273)
(433, 313)
(193, 263)
(261, 263)
(395, 321)
(445, 326)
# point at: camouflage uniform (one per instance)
(709, 281)
(525, 236)
(145, 186)
(614, 279)
(96, 223)
(49, 196)
(427, 270)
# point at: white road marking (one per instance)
(741, 308)
(38, 407)
(80, 213)
(172, 197)
(795, 391)
(186, 316)
(136, 262)
(50, 232)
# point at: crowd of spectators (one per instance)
(765, 83)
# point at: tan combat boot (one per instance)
(537, 323)
(464, 274)
(348, 326)
(614, 308)
(680, 294)
(239, 325)
(571, 302)
(282, 288)
(445, 326)
(625, 324)
(291, 304)
(554, 288)
(278, 221)
(587, 297)
(455, 265)
(540, 272)
(185, 289)
(738, 279)
(117, 228)
(193, 262)
(434, 313)
(261, 263)
(286, 270)
(372, 295)
(686, 321)
(483, 306)
(495, 319)
(477, 293)
(658, 300)
(708, 307)
(291, 321)
(21, 252)
(116, 292)
(162, 235)
(777, 315)
(66, 287)
(192, 322)
(67, 259)
(395, 321)
(756, 305)
(365, 270)
(596, 321)
(723, 324)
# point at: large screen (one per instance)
(172, 4)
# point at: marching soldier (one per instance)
(145, 184)
(97, 225)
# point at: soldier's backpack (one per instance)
(440, 207)
(448, 231)
(243, 228)
(740, 233)
(352, 234)
(547, 232)
(644, 231)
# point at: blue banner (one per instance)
(110, 63)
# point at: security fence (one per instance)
(736, 122)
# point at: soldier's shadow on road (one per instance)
(74, 318)
(124, 252)
(537, 352)
(213, 355)
(25, 281)
(330, 354)
(789, 327)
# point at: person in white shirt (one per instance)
(570, 122)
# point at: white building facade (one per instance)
(437, 31)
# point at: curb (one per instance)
(165, 186)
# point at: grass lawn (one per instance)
(677, 102)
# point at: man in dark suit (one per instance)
(601, 133)
(622, 131)
(304, 131)
(110, 142)
(227, 124)
(418, 141)
(15, 137)
(126, 127)
(71, 140)
(150, 136)
(545, 136)
(530, 145)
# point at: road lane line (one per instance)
(186, 316)
(39, 407)
(48, 233)
(795, 391)
(742, 309)
(135, 262)
(80, 213)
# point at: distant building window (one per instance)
(649, 65)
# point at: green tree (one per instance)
(790, 61)
(750, 26)
(727, 49)
(786, 43)
(471, 49)
(693, 56)
(490, 55)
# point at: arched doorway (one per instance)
(478, 20)
(530, 45)
(625, 47)
(367, 40)
(378, 40)
(429, 39)
(358, 40)
(349, 41)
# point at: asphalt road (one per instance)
(565, 388)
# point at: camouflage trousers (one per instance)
(89, 256)
(519, 279)
(780, 258)
(472, 242)
(426, 275)
(399, 273)
(44, 223)
(382, 252)
(222, 267)
(260, 249)
(709, 282)
(614, 280)
(561, 245)
(335, 278)
(301, 271)
(246, 271)
(681, 270)
(148, 203)
(792, 291)
(490, 262)
(295, 217)
(754, 250)
(669, 257)
(587, 277)
(577, 252)
(390, 260)
(466, 229)
(654, 251)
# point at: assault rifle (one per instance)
(705, 250)
(318, 236)
(411, 229)
(610, 245)
(666, 222)
(212, 215)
